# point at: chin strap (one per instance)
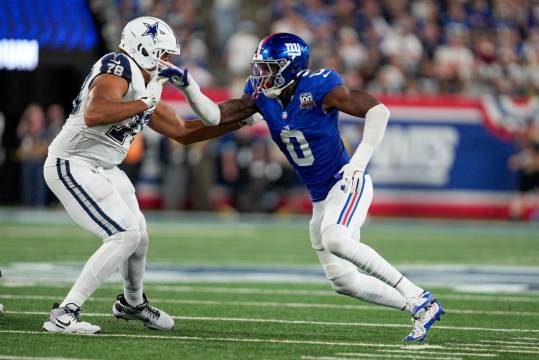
(277, 92)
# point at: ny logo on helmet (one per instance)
(293, 49)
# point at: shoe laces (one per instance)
(152, 312)
(74, 314)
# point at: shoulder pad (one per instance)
(116, 64)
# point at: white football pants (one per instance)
(335, 232)
(103, 202)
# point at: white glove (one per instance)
(352, 178)
(152, 94)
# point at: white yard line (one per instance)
(279, 304)
(305, 357)
(487, 344)
(525, 338)
(437, 353)
(13, 357)
(291, 292)
(399, 356)
(278, 341)
(511, 349)
(300, 322)
(182, 288)
(522, 344)
(172, 337)
(377, 356)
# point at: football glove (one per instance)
(352, 178)
(152, 94)
(178, 77)
(251, 120)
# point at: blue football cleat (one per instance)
(423, 322)
(425, 299)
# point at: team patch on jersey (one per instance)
(306, 101)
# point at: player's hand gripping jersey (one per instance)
(307, 135)
(103, 145)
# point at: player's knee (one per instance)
(128, 240)
(336, 239)
(144, 241)
(342, 284)
(131, 240)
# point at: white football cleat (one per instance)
(66, 320)
(424, 321)
(152, 317)
(420, 303)
(1, 309)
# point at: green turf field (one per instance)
(272, 320)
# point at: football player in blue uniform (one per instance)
(301, 108)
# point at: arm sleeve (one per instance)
(375, 126)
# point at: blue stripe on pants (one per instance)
(117, 227)
(81, 203)
(357, 203)
(344, 208)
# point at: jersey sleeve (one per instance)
(116, 64)
(327, 80)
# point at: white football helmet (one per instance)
(146, 38)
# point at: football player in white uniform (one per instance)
(117, 99)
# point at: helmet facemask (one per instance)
(154, 61)
(266, 77)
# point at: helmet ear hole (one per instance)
(144, 52)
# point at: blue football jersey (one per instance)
(307, 135)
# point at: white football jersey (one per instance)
(103, 145)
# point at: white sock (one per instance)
(407, 288)
(368, 288)
(337, 239)
(114, 251)
(132, 271)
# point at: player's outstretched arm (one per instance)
(361, 104)
(165, 121)
(208, 112)
(235, 110)
(105, 103)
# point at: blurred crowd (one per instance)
(526, 163)
(385, 46)
(37, 128)
(472, 47)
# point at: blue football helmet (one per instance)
(277, 62)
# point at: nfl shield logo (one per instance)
(306, 101)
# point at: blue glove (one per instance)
(178, 77)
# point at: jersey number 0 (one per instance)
(295, 139)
